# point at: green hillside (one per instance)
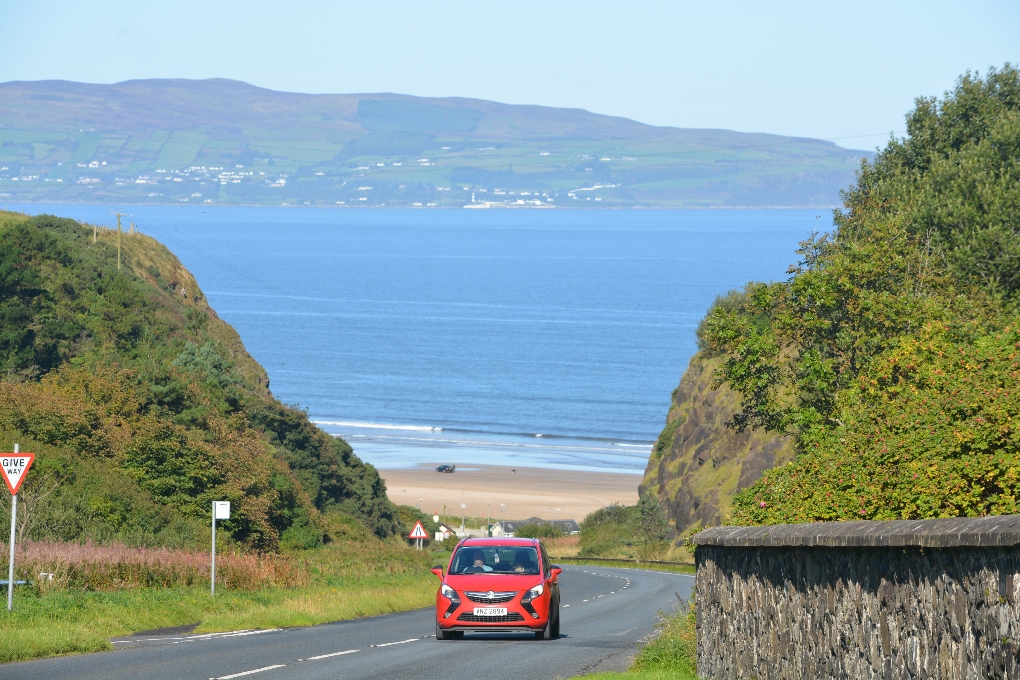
(226, 142)
(143, 406)
(891, 356)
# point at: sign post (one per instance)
(418, 533)
(14, 467)
(220, 510)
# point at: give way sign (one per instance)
(14, 467)
(418, 531)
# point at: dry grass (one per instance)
(73, 615)
(116, 567)
(568, 546)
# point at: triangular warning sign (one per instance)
(418, 531)
(14, 467)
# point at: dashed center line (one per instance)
(326, 656)
(257, 670)
(240, 633)
(401, 642)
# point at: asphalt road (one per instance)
(605, 614)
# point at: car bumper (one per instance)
(518, 618)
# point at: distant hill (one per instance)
(143, 407)
(227, 142)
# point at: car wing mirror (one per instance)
(556, 571)
(438, 571)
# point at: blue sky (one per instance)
(847, 71)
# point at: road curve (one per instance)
(605, 613)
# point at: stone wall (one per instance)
(906, 599)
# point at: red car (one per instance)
(498, 585)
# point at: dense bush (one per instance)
(144, 407)
(890, 354)
(638, 530)
(538, 530)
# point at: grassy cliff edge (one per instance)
(143, 406)
(699, 463)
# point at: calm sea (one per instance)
(518, 337)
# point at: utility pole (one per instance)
(10, 563)
(118, 240)
(95, 232)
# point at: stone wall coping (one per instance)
(926, 533)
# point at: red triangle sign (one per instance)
(14, 467)
(418, 531)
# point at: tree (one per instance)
(652, 521)
(868, 351)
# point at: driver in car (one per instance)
(522, 562)
(479, 563)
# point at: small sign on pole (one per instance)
(418, 533)
(14, 467)
(220, 510)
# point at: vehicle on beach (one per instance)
(446, 468)
(498, 585)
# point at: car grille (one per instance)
(471, 618)
(497, 598)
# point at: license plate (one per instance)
(490, 611)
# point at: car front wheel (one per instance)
(552, 627)
(442, 634)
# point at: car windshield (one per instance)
(497, 559)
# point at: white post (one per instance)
(10, 563)
(212, 575)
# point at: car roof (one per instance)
(499, 541)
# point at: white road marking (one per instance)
(257, 670)
(326, 656)
(241, 633)
(387, 644)
(209, 635)
(197, 638)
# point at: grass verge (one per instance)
(346, 583)
(671, 654)
(642, 675)
(583, 562)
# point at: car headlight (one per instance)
(449, 593)
(533, 593)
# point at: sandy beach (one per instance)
(525, 492)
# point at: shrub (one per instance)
(537, 530)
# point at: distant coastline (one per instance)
(577, 208)
(206, 142)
